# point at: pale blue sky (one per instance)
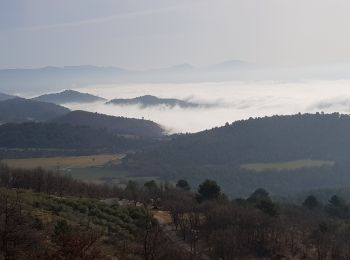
(154, 33)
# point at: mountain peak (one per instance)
(69, 96)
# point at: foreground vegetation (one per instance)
(44, 215)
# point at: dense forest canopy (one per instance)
(82, 139)
(268, 139)
(119, 125)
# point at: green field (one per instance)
(92, 168)
(62, 163)
(280, 166)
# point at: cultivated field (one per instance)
(92, 168)
(63, 163)
(291, 165)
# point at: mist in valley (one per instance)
(229, 101)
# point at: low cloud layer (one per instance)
(233, 101)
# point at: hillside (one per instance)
(47, 215)
(68, 96)
(51, 216)
(22, 110)
(149, 101)
(4, 96)
(269, 139)
(119, 125)
(219, 153)
(47, 139)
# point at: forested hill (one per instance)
(22, 110)
(119, 125)
(26, 138)
(221, 154)
(68, 96)
(268, 139)
(150, 101)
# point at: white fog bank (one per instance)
(235, 100)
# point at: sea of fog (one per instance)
(231, 101)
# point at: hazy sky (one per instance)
(141, 34)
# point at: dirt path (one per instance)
(164, 219)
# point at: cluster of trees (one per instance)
(258, 227)
(42, 181)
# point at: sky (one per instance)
(140, 34)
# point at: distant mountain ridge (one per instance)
(55, 78)
(24, 110)
(118, 125)
(149, 101)
(69, 96)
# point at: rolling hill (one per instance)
(149, 101)
(68, 96)
(48, 139)
(118, 125)
(219, 153)
(23, 110)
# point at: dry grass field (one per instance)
(291, 165)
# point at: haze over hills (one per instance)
(119, 125)
(4, 96)
(201, 130)
(69, 96)
(149, 101)
(57, 78)
(233, 65)
(23, 110)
